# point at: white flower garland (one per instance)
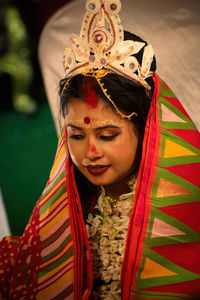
(107, 232)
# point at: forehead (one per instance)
(79, 109)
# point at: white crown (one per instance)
(101, 45)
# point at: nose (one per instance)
(93, 151)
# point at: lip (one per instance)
(97, 169)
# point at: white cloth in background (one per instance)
(4, 226)
(172, 27)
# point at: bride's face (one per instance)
(101, 144)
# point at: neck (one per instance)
(117, 189)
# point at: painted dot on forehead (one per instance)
(87, 120)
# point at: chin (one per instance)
(99, 180)
(104, 179)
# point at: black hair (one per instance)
(128, 96)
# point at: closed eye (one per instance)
(109, 137)
(76, 136)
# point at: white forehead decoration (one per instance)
(101, 45)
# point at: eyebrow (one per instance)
(73, 126)
(97, 128)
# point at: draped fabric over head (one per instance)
(52, 260)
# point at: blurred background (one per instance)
(27, 133)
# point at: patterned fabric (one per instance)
(52, 260)
(169, 267)
(42, 265)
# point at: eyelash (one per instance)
(102, 137)
(109, 137)
(76, 136)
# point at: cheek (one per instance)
(115, 150)
(75, 155)
(125, 150)
(132, 151)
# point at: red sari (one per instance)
(52, 260)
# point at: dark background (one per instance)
(27, 133)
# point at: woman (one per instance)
(106, 149)
(119, 213)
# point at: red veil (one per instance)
(52, 260)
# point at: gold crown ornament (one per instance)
(100, 49)
(101, 45)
